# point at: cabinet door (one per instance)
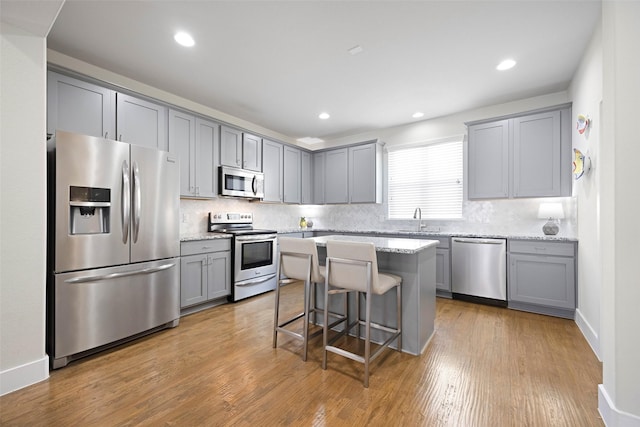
(306, 196)
(252, 152)
(443, 273)
(536, 155)
(205, 159)
(488, 160)
(336, 185)
(292, 164)
(318, 178)
(193, 279)
(363, 178)
(141, 122)
(182, 142)
(542, 280)
(230, 147)
(79, 107)
(219, 274)
(273, 170)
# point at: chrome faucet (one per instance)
(417, 214)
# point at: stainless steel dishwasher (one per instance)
(479, 268)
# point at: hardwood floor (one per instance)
(485, 366)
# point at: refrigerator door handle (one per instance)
(136, 202)
(126, 202)
(150, 270)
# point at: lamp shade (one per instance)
(551, 210)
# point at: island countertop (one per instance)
(383, 244)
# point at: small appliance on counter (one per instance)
(253, 254)
(113, 271)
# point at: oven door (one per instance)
(255, 257)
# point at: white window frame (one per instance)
(420, 182)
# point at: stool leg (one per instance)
(367, 338)
(305, 326)
(399, 315)
(325, 321)
(275, 315)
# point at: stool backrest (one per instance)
(296, 267)
(352, 276)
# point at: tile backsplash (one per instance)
(504, 217)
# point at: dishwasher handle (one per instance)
(479, 241)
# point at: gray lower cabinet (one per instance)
(443, 265)
(542, 277)
(205, 271)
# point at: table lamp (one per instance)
(553, 212)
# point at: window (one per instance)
(428, 177)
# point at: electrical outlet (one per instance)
(184, 217)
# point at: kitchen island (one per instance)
(415, 261)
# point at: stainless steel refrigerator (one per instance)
(113, 244)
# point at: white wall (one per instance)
(22, 210)
(619, 394)
(586, 92)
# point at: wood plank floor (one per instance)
(485, 366)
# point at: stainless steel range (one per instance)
(253, 254)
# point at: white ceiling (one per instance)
(280, 63)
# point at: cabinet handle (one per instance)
(106, 135)
(120, 139)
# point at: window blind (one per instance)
(428, 177)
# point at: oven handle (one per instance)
(255, 237)
(255, 281)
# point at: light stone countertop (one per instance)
(384, 244)
(205, 235)
(428, 234)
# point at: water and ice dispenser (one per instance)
(89, 210)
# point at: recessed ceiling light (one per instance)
(310, 140)
(507, 64)
(417, 115)
(356, 50)
(184, 39)
(324, 116)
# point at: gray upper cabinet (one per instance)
(77, 106)
(141, 122)
(521, 156)
(251, 152)
(365, 177)
(292, 175)
(272, 167)
(536, 155)
(195, 141)
(206, 158)
(307, 178)
(319, 160)
(80, 107)
(336, 176)
(240, 150)
(488, 154)
(230, 147)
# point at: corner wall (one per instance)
(586, 92)
(22, 209)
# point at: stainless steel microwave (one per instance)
(236, 182)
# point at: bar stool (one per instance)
(353, 267)
(298, 261)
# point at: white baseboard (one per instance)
(612, 416)
(24, 375)
(589, 334)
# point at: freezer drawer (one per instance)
(479, 267)
(96, 307)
